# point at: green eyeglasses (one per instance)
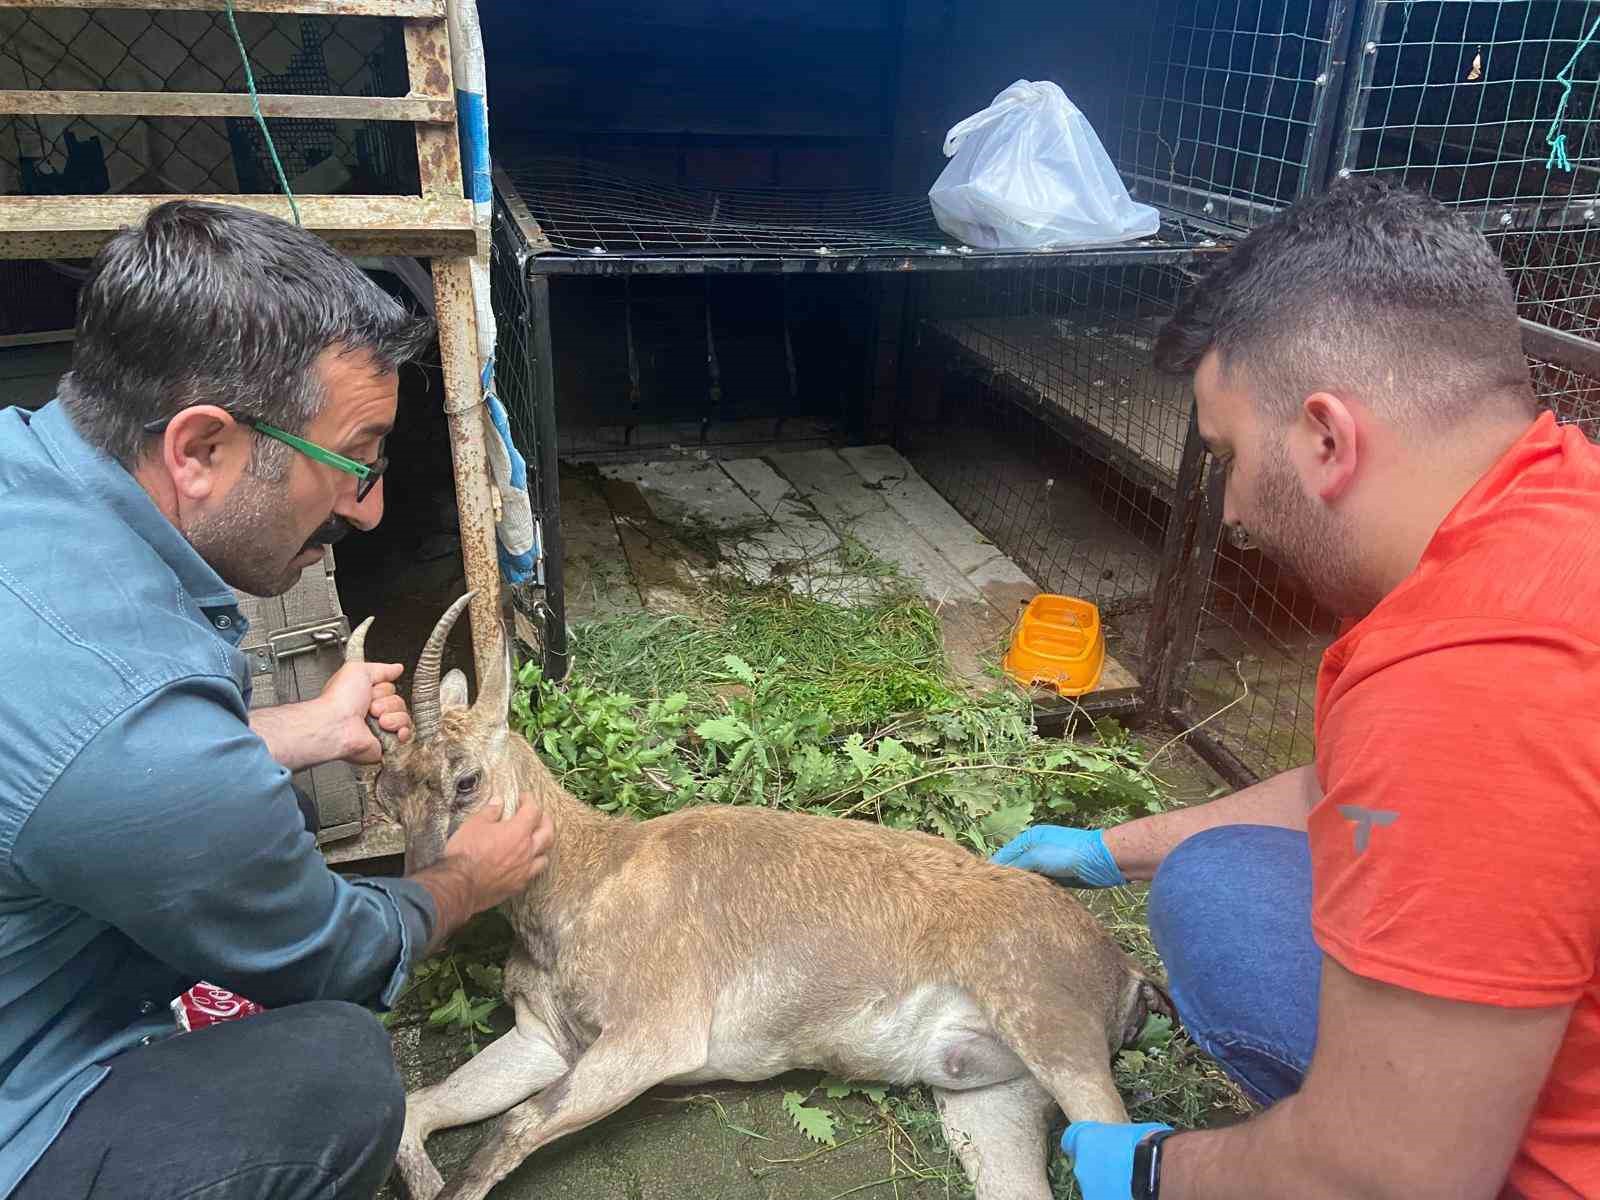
(367, 474)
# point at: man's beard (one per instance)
(1309, 542)
(252, 542)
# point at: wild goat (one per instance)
(735, 943)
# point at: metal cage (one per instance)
(1022, 385)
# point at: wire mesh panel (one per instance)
(588, 217)
(165, 51)
(1247, 683)
(1029, 402)
(1490, 107)
(1573, 396)
(1230, 104)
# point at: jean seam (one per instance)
(198, 1189)
(1218, 1046)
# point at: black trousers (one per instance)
(293, 1103)
(297, 1102)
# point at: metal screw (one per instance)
(1588, 214)
(1505, 218)
(1372, 47)
(1209, 208)
(1344, 172)
(1321, 79)
(224, 621)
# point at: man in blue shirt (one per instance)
(232, 383)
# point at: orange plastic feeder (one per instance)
(1058, 643)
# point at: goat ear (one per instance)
(453, 691)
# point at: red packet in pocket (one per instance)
(206, 1004)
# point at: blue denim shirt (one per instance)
(147, 838)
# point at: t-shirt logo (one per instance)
(1365, 819)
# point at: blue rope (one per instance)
(1558, 141)
(255, 106)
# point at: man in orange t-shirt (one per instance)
(1396, 950)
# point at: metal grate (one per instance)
(596, 212)
(165, 51)
(1230, 105)
(1573, 396)
(1029, 403)
(1459, 98)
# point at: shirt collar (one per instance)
(109, 482)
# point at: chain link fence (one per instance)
(70, 49)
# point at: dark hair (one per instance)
(1366, 288)
(217, 304)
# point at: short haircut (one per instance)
(205, 303)
(1366, 289)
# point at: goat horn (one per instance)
(425, 683)
(494, 693)
(355, 651)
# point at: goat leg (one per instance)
(1067, 1052)
(507, 1071)
(997, 1133)
(614, 1070)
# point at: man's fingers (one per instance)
(382, 689)
(384, 672)
(387, 704)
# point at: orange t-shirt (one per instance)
(1456, 851)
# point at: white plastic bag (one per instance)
(1028, 172)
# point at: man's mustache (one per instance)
(326, 534)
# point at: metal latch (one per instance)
(297, 640)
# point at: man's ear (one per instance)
(202, 448)
(1326, 445)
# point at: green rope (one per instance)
(1558, 141)
(255, 106)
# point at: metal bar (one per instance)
(1557, 346)
(77, 226)
(428, 72)
(1058, 720)
(532, 233)
(1217, 756)
(1357, 90)
(467, 420)
(772, 264)
(1218, 211)
(1536, 215)
(1207, 535)
(225, 104)
(1174, 581)
(557, 657)
(713, 372)
(1330, 84)
(320, 8)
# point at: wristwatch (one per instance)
(1147, 1165)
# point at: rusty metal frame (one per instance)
(435, 223)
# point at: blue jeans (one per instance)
(1230, 914)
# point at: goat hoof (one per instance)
(421, 1177)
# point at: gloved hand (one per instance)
(1077, 857)
(1102, 1156)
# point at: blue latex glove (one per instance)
(1077, 857)
(1102, 1156)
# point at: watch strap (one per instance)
(1146, 1183)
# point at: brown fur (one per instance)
(752, 941)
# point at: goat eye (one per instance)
(467, 783)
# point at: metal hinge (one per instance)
(296, 640)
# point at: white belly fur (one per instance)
(934, 1035)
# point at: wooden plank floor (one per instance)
(785, 517)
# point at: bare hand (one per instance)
(501, 855)
(358, 691)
